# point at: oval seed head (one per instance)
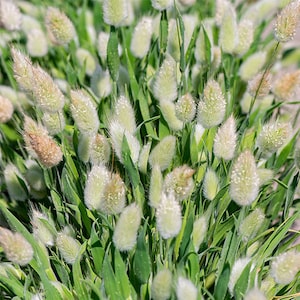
(84, 147)
(163, 153)
(285, 266)
(162, 4)
(60, 29)
(265, 175)
(95, 185)
(68, 247)
(54, 122)
(162, 285)
(41, 145)
(45, 92)
(113, 200)
(180, 182)
(211, 110)
(156, 186)
(211, 184)
(115, 12)
(221, 6)
(244, 185)
(84, 112)
(260, 85)
(252, 65)
(165, 84)
(22, 67)
(125, 233)
(16, 247)
(185, 289)
(174, 43)
(251, 224)
(245, 37)
(168, 216)
(6, 109)
(225, 140)
(101, 83)
(10, 15)
(12, 177)
(255, 294)
(86, 60)
(35, 49)
(143, 158)
(185, 108)
(236, 271)
(229, 30)
(99, 150)
(141, 37)
(199, 232)
(287, 22)
(168, 110)
(287, 86)
(273, 136)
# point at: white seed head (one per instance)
(6, 109)
(102, 41)
(211, 184)
(115, 12)
(35, 49)
(236, 271)
(100, 150)
(16, 247)
(156, 186)
(162, 285)
(86, 59)
(185, 108)
(226, 139)
(244, 185)
(162, 4)
(199, 232)
(125, 233)
(260, 85)
(221, 6)
(185, 289)
(245, 37)
(265, 175)
(101, 82)
(168, 216)
(168, 110)
(54, 122)
(10, 15)
(29, 23)
(144, 157)
(255, 294)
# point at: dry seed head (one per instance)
(180, 182)
(273, 136)
(255, 294)
(45, 92)
(168, 110)
(36, 49)
(245, 37)
(125, 233)
(163, 153)
(10, 15)
(6, 109)
(221, 6)
(16, 247)
(211, 110)
(29, 23)
(156, 186)
(260, 85)
(143, 158)
(165, 84)
(285, 266)
(265, 175)
(115, 12)
(185, 289)
(101, 82)
(162, 4)
(141, 37)
(84, 112)
(185, 108)
(251, 224)
(161, 285)
(84, 147)
(168, 216)
(54, 122)
(211, 184)
(99, 150)
(287, 22)
(225, 140)
(86, 59)
(244, 185)
(199, 232)
(287, 86)
(60, 29)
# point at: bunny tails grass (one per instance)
(149, 149)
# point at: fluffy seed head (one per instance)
(199, 232)
(236, 271)
(185, 289)
(285, 266)
(156, 186)
(211, 184)
(251, 224)
(36, 49)
(115, 12)
(101, 82)
(99, 150)
(163, 153)
(10, 15)
(168, 216)
(60, 29)
(84, 112)
(54, 122)
(211, 110)
(141, 37)
(168, 110)
(260, 85)
(185, 108)
(245, 37)
(165, 84)
(265, 175)
(161, 285)
(221, 6)
(273, 136)
(127, 226)
(162, 4)
(6, 109)
(143, 158)
(180, 182)
(244, 183)
(34, 176)
(287, 22)
(86, 59)
(16, 247)
(255, 294)
(45, 92)
(225, 140)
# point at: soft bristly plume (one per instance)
(100, 150)
(255, 294)
(162, 4)
(260, 85)
(265, 175)
(244, 185)
(211, 109)
(161, 285)
(101, 82)
(221, 6)
(287, 22)
(35, 49)
(60, 29)
(54, 122)
(236, 271)
(10, 15)
(225, 140)
(199, 231)
(6, 109)
(144, 157)
(115, 12)
(16, 248)
(86, 60)
(168, 216)
(245, 37)
(168, 110)
(125, 233)
(156, 186)
(211, 184)
(185, 289)
(185, 108)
